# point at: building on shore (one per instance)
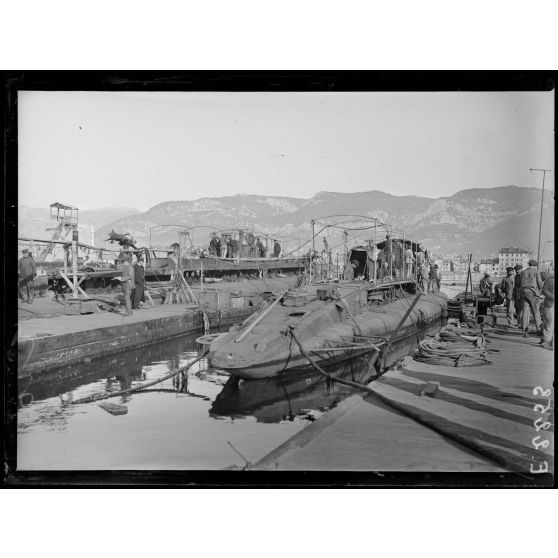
(489, 265)
(510, 257)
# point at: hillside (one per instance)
(33, 221)
(473, 220)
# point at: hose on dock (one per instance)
(100, 397)
(453, 349)
(509, 462)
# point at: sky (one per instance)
(134, 149)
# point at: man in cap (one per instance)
(27, 270)
(531, 285)
(485, 286)
(517, 298)
(138, 291)
(507, 288)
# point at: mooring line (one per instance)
(97, 397)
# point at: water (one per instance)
(184, 423)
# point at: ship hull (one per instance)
(328, 331)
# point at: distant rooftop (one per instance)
(63, 206)
(513, 250)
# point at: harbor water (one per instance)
(202, 419)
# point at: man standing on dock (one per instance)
(517, 298)
(485, 286)
(139, 283)
(27, 271)
(507, 289)
(128, 285)
(531, 285)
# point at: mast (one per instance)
(312, 254)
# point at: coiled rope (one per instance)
(453, 349)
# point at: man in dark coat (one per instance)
(139, 282)
(517, 297)
(27, 271)
(261, 248)
(235, 247)
(214, 245)
(388, 254)
(506, 288)
(276, 249)
(485, 286)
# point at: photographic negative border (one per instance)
(225, 81)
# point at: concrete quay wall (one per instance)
(44, 352)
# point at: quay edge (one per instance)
(45, 352)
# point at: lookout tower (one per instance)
(67, 218)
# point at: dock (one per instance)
(48, 338)
(493, 418)
(52, 341)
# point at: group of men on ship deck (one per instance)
(242, 245)
(396, 259)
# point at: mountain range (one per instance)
(33, 222)
(478, 221)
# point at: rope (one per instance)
(456, 350)
(327, 374)
(99, 397)
(404, 409)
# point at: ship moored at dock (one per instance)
(379, 301)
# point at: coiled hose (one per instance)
(456, 351)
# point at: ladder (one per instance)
(47, 250)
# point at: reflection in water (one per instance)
(295, 393)
(118, 371)
(303, 392)
(188, 421)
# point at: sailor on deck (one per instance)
(388, 255)
(409, 259)
(276, 249)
